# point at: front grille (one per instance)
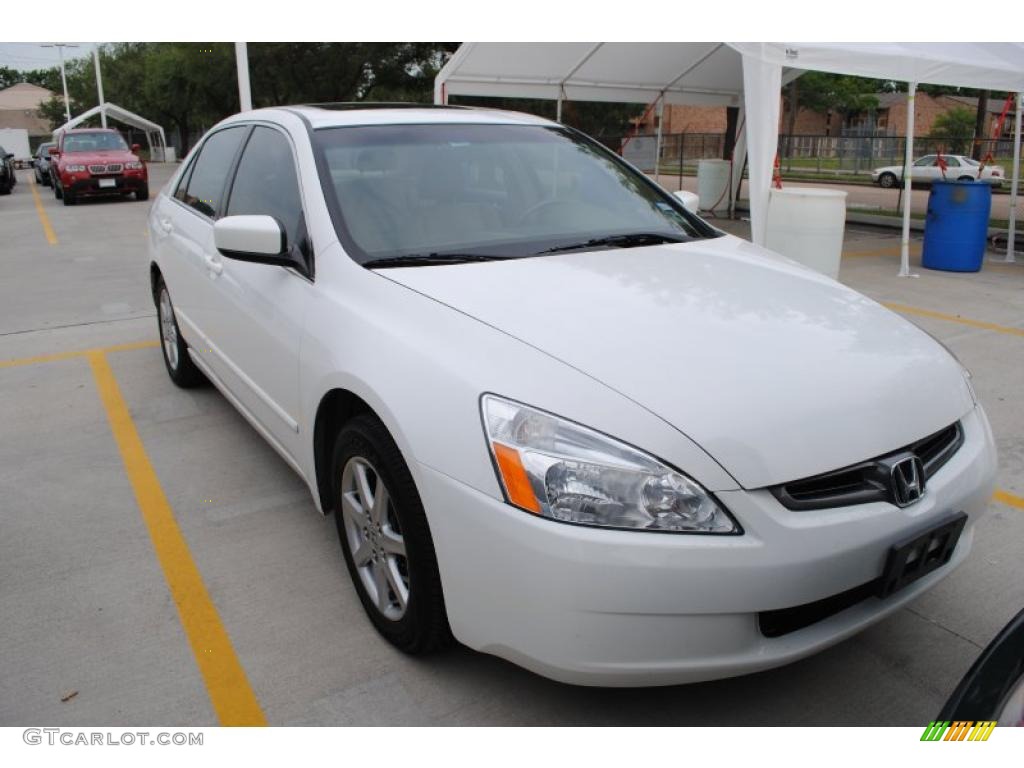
(869, 480)
(97, 170)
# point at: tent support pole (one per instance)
(558, 109)
(657, 142)
(1011, 238)
(908, 160)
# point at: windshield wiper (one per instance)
(430, 259)
(631, 240)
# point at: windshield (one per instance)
(93, 142)
(501, 191)
(44, 149)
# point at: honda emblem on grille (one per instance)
(907, 481)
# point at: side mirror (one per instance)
(258, 239)
(690, 201)
(9, 156)
(136, 147)
(53, 151)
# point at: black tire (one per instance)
(887, 180)
(69, 199)
(423, 627)
(182, 370)
(5, 189)
(142, 193)
(57, 193)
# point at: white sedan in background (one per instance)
(927, 169)
(555, 415)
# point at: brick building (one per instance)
(681, 118)
(890, 118)
(19, 108)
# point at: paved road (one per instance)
(84, 596)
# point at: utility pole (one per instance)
(99, 86)
(63, 77)
(244, 91)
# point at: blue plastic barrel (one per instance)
(956, 227)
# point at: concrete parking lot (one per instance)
(160, 564)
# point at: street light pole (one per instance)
(99, 86)
(242, 63)
(63, 77)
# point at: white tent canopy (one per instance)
(747, 74)
(154, 133)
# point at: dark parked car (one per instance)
(7, 176)
(41, 163)
(993, 688)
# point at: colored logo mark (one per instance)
(958, 730)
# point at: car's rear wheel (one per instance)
(887, 180)
(386, 539)
(180, 367)
(142, 193)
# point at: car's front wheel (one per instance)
(57, 191)
(142, 193)
(966, 178)
(385, 538)
(887, 180)
(180, 367)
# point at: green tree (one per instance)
(955, 127)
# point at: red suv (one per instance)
(96, 161)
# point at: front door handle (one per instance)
(165, 225)
(215, 267)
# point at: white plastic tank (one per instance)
(713, 185)
(807, 225)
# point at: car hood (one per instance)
(776, 371)
(107, 156)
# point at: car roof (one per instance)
(362, 113)
(70, 131)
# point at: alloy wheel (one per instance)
(374, 538)
(168, 331)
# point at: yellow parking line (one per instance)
(1010, 499)
(232, 697)
(51, 236)
(76, 353)
(907, 310)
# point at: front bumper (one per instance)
(601, 607)
(91, 185)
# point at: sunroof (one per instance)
(347, 105)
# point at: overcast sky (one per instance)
(32, 56)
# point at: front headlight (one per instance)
(133, 165)
(74, 168)
(564, 471)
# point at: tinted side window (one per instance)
(179, 191)
(206, 184)
(266, 184)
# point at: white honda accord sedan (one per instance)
(556, 416)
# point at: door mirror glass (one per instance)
(251, 238)
(53, 151)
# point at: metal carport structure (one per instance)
(732, 74)
(154, 133)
